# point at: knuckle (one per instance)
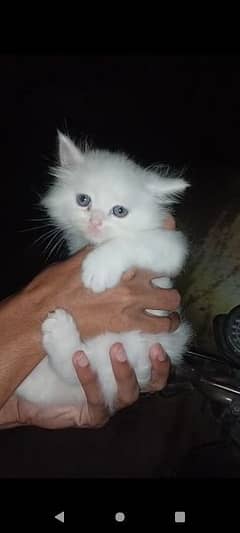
(161, 325)
(174, 321)
(176, 298)
(168, 322)
(127, 294)
(135, 395)
(89, 379)
(130, 398)
(98, 420)
(100, 423)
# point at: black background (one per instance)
(182, 110)
(177, 109)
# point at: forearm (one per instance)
(20, 342)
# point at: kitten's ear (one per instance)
(69, 153)
(167, 190)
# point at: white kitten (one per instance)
(108, 200)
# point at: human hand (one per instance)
(120, 308)
(93, 413)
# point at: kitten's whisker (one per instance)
(34, 228)
(45, 236)
(56, 234)
(52, 237)
(40, 219)
(60, 241)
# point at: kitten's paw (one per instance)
(99, 273)
(58, 327)
(61, 340)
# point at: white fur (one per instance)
(137, 240)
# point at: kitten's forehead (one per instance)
(109, 183)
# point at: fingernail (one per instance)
(157, 352)
(81, 359)
(121, 354)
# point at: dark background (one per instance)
(182, 110)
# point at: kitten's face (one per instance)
(100, 196)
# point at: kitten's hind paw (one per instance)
(58, 327)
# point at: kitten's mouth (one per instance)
(96, 230)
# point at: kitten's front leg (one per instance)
(61, 340)
(104, 266)
(161, 251)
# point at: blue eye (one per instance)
(119, 211)
(83, 200)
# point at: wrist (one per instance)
(20, 343)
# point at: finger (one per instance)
(88, 380)
(153, 324)
(169, 223)
(174, 322)
(160, 367)
(79, 256)
(143, 276)
(54, 417)
(170, 298)
(158, 298)
(130, 274)
(128, 390)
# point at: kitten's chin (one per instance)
(94, 237)
(99, 236)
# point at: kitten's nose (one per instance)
(96, 218)
(96, 223)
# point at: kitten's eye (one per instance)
(119, 211)
(83, 200)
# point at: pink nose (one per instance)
(96, 218)
(96, 222)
